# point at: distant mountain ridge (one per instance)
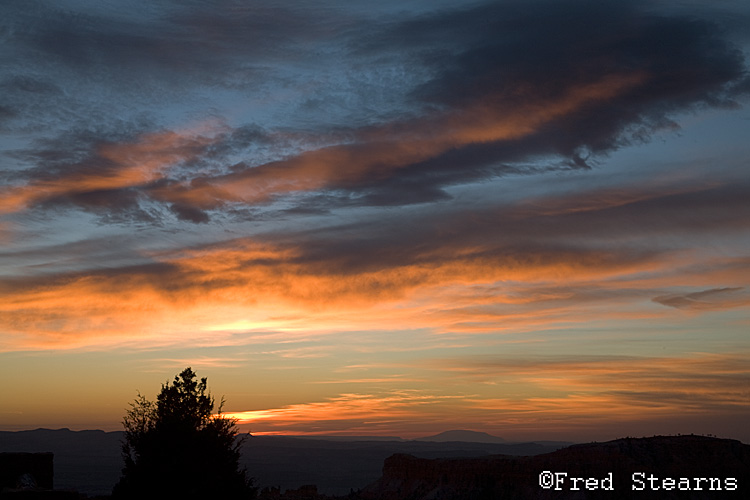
(462, 436)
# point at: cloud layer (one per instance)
(494, 98)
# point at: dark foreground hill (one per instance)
(678, 467)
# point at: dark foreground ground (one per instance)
(679, 467)
(90, 461)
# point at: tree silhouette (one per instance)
(176, 448)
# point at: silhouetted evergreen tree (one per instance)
(176, 448)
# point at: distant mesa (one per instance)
(463, 436)
(671, 467)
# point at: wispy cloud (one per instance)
(345, 414)
(715, 298)
(564, 394)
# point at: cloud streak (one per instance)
(346, 414)
(715, 298)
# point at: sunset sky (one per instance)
(529, 218)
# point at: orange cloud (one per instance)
(375, 154)
(346, 414)
(485, 121)
(623, 385)
(245, 286)
(380, 151)
(560, 395)
(496, 271)
(114, 166)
